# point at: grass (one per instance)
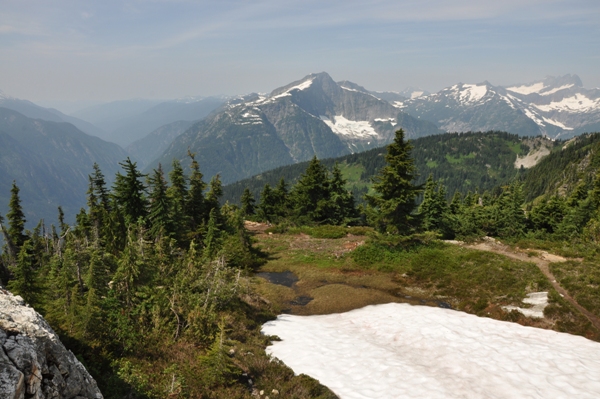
(460, 159)
(582, 279)
(353, 271)
(352, 172)
(515, 147)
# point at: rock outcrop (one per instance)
(33, 362)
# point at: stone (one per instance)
(33, 361)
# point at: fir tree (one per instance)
(129, 192)
(24, 274)
(16, 218)
(431, 209)
(310, 195)
(247, 201)
(160, 205)
(178, 196)
(390, 208)
(267, 205)
(342, 209)
(281, 199)
(196, 207)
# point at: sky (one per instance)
(91, 51)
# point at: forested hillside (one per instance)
(463, 162)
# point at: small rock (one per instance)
(275, 392)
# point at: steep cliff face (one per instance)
(33, 362)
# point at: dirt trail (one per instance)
(542, 261)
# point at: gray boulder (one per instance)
(33, 362)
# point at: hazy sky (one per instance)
(110, 50)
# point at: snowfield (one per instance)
(404, 351)
(345, 127)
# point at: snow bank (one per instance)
(404, 351)
(345, 127)
(576, 103)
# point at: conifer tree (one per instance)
(215, 192)
(24, 274)
(390, 208)
(129, 192)
(342, 209)
(16, 218)
(212, 236)
(310, 195)
(196, 207)
(267, 205)
(429, 210)
(160, 217)
(281, 199)
(178, 196)
(99, 186)
(247, 201)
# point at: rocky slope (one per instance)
(33, 362)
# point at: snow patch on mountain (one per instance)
(576, 103)
(358, 91)
(472, 93)
(534, 117)
(392, 121)
(528, 89)
(557, 89)
(250, 118)
(351, 129)
(557, 123)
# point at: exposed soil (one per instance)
(542, 261)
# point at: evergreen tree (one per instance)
(24, 274)
(178, 195)
(342, 209)
(310, 195)
(267, 205)
(212, 237)
(161, 222)
(281, 199)
(390, 208)
(196, 208)
(434, 209)
(16, 218)
(129, 192)
(247, 201)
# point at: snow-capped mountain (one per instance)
(311, 116)
(561, 103)
(554, 107)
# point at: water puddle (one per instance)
(301, 300)
(282, 278)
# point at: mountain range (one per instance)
(556, 107)
(50, 162)
(124, 122)
(314, 116)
